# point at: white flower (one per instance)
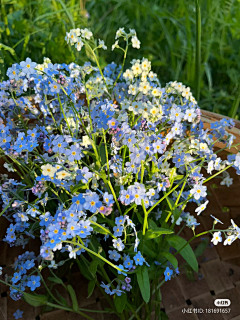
(217, 163)
(146, 65)
(144, 76)
(154, 111)
(115, 45)
(136, 68)
(102, 44)
(156, 92)
(235, 227)
(72, 253)
(9, 167)
(190, 220)
(132, 90)
(216, 220)
(201, 208)
(62, 174)
(216, 238)
(210, 167)
(193, 100)
(86, 141)
(120, 33)
(194, 144)
(165, 166)
(144, 87)
(86, 33)
(178, 86)
(229, 240)
(190, 115)
(95, 185)
(128, 74)
(40, 68)
(227, 181)
(135, 42)
(152, 76)
(135, 107)
(57, 247)
(79, 44)
(137, 241)
(71, 37)
(203, 147)
(176, 114)
(118, 244)
(186, 92)
(48, 170)
(178, 222)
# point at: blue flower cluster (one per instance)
(101, 156)
(20, 279)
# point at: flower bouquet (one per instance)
(105, 162)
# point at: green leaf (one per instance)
(140, 218)
(35, 300)
(61, 298)
(201, 248)
(148, 251)
(152, 224)
(73, 297)
(91, 286)
(35, 226)
(150, 234)
(106, 220)
(170, 203)
(163, 316)
(84, 270)
(79, 186)
(170, 258)
(55, 280)
(185, 250)
(143, 282)
(98, 229)
(93, 266)
(103, 154)
(120, 302)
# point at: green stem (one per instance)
(142, 304)
(145, 223)
(114, 195)
(169, 192)
(96, 60)
(198, 50)
(94, 253)
(106, 152)
(124, 59)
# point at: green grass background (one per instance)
(193, 41)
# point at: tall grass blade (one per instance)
(198, 50)
(233, 112)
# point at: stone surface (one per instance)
(216, 276)
(172, 296)
(193, 288)
(234, 297)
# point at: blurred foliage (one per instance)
(166, 29)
